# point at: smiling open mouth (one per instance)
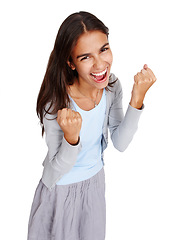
(100, 77)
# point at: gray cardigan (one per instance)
(61, 156)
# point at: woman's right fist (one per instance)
(70, 123)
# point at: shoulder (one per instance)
(49, 111)
(49, 118)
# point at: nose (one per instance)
(98, 63)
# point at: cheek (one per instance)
(83, 69)
(110, 58)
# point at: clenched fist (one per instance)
(142, 82)
(70, 123)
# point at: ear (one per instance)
(71, 65)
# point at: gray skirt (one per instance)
(69, 212)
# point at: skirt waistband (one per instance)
(94, 182)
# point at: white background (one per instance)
(139, 182)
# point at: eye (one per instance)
(84, 58)
(104, 49)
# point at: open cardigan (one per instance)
(61, 156)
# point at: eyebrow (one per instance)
(87, 54)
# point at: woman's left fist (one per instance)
(143, 80)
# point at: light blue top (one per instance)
(89, 161)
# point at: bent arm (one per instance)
(61, 155)
(122, 128)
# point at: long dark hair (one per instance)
(58, 73)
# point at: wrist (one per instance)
(72, 140)
(136, 103)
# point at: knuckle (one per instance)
(63, 110)
(59, 112)
(79, 120)
(62, 123)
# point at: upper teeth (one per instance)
(101, 73)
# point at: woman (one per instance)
(78, 101)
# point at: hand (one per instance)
(70, 123)
(142, 82)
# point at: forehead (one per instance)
(89, 42)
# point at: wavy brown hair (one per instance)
(58, 73)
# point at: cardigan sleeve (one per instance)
(61, 156)
(122, 127)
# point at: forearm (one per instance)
(61, 154)
(65, 157)
(123, 134)
(59, 164)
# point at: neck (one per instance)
(87, 90)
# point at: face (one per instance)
(92, 58)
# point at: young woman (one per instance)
(78, 101)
